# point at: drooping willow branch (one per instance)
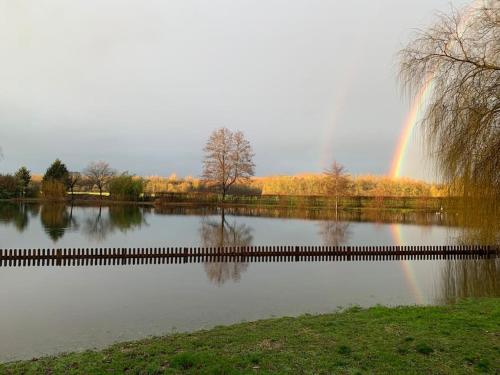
(461, 123)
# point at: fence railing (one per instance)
(176, 255)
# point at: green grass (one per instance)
(456, 339)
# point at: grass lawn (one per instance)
(457, 339)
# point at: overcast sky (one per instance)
(141, 84)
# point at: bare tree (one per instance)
(337, 183)
(459, 56)
(99, 174)
(73, 179)
(228, 159)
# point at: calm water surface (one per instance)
(46, 310)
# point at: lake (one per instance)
(46, 310)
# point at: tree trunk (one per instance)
(222, 227)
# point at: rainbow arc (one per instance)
(418, 105)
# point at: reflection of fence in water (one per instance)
(176, 255)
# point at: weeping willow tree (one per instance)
(459, 57)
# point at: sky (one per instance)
(141, 84)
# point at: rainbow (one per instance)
(408, 272)
(410, 121)
(417, 105)
(409, 124)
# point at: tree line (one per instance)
(304, 185)
(228, 168)
(58, 181)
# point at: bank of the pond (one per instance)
(260, 201)
(453, 339)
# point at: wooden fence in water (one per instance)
(176, 255)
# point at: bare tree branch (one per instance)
(228, 159)
(99, 174)
(337, 182)
(460, 56)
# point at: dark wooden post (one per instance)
(58, 257)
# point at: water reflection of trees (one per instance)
(469, 278)
(479, 222)
(221, 233)
(18, 214)
(334, 233)
(117, 217)
(125, 218)
(56, 218)
(420, 217)
(96, 227)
